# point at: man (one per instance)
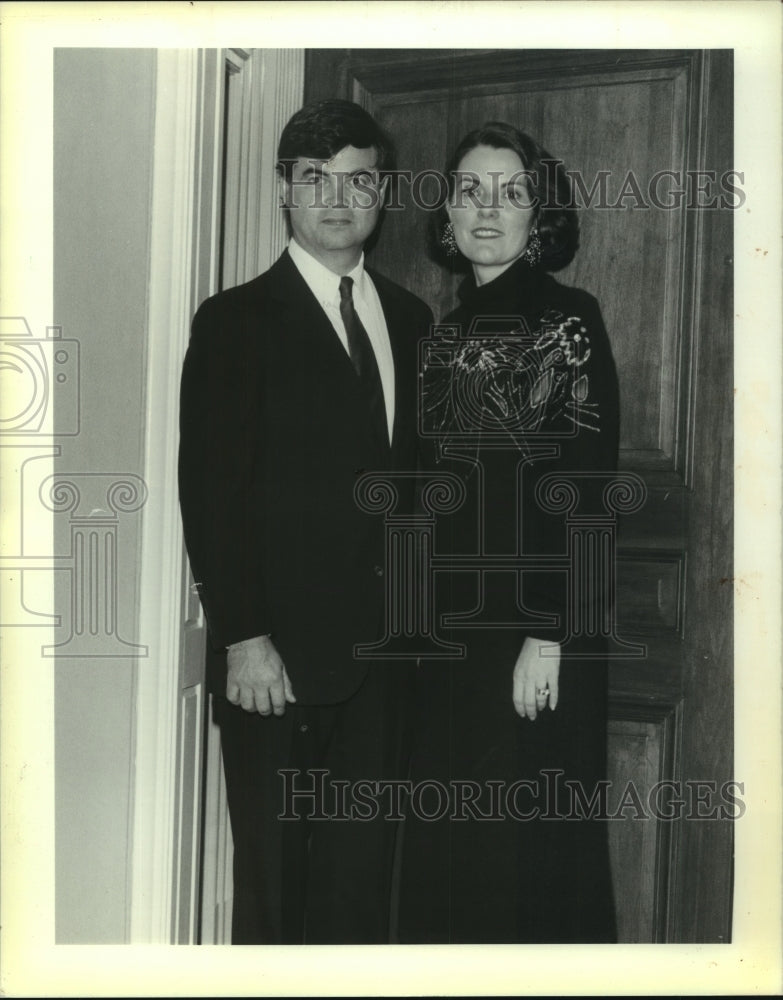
(294, 385)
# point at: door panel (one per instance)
(663, 279)
(641, 742)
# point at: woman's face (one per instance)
(491, 210)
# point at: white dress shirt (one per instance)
(325, 286)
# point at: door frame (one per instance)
(172, 246)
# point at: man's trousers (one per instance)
(313, 829)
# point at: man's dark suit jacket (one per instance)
(274, 433)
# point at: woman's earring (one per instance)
(447, 240)
(532, 254)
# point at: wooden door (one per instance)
(663, 278)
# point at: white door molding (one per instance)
(153, 875)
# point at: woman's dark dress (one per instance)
(546, 379)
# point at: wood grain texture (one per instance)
(630, 259)
(702, 896)
(641, 747)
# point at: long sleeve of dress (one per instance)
(584, 414)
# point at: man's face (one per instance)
(334, 204)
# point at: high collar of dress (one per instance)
(519, 280)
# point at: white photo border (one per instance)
(32, 965)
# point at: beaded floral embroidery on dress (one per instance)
(521, 384)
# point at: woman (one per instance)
(525, 388)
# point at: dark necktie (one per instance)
(363, 358)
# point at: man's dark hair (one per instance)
(322, 128)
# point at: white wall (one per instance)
(103, 148)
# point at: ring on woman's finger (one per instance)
(542, 692)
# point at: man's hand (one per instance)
(536, 677)
(257, 679)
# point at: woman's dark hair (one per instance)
(548, 183)
(322, 128)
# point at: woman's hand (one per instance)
(536, 677)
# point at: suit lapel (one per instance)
(308, 317)
(310, 323)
